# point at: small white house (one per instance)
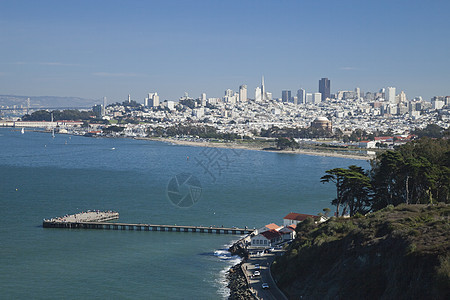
(294, 218)
(367, 144)
(288, 232)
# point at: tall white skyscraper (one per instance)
(358, 93)
(243, 93)
(301, 96)
(203, 99)
(316, 98)
(258, 94)
(390, 95)
(129, 98)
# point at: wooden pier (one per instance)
(76, 221)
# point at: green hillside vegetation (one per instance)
(398, 252)
(415, 173)
(396, 242)
(205, 131)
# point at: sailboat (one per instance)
(53, 133)
(23, 130)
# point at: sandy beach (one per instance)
(254, 146)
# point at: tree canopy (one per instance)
(68, 114)
(417, 172)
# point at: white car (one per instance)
(257, 273)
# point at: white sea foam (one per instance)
(229, 260)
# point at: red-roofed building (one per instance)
(383, 138)
(266, 239)
(269, 227)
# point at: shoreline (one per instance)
(233, 145)
(252, 147)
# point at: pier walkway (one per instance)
(96, 220)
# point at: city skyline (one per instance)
(99, 49)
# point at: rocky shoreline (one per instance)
(238, 285)
(237, 282)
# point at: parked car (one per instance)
(265, 286)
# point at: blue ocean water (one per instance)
(43, 177)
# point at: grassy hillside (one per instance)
(394, 253)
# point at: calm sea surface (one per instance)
(43, 177)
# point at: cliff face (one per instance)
(395, 253)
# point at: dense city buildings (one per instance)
(343, 112)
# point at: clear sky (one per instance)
(114, 48)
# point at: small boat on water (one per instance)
(23, 130)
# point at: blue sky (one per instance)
(114, 48)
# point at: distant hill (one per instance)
(398, 252)
(47, 101)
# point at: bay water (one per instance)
(44, 177)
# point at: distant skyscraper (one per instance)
(358, 93)
(229, 93)
(153, 99)
(325, 88)
(286, 96)
(263, 90)
(243, 93)
(316, 98)
(104, 107)
(203, 99)
(258, 94)
(402, 97)
(301, 96)
(129, 98)
(390, 95)
(230, 97)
